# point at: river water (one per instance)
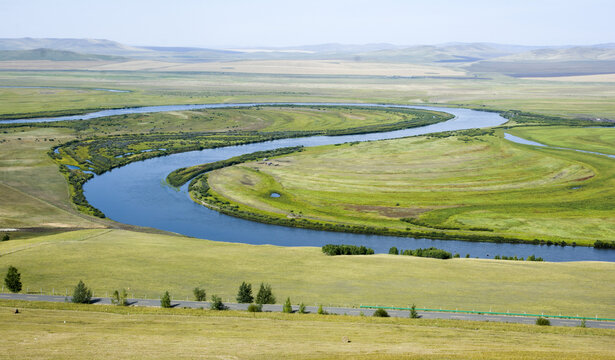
(137, 194)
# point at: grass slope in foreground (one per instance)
(479, 187)
(51, 331)
(149, 264)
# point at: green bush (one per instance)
(120, 298)
(381, 313)
(543, 322)
(413, 313)
(255, 308)
(6, 237)
(599, 244)
(244, 295)
(12, 280)
(287, 308)
(216, 303)
(81, 294)
(199, 294)
(322, 311)
(431, 252)
(165, 300)
(393, 251)
(265, 295)
(302, 309)
(333, 250)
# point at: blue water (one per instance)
(137, 194)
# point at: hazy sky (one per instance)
(241, 23)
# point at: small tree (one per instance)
(543, 321)
(12, 280)
(165, 300)
(244, 295)
(413, 313)
(216, 303)
(81, 294)
(393, 251)
(199, 294)
(322, 311)
(6, 237)
(381, 313)
(120, 298)
(302, 309)
(255, 308)
(265, 296)
(287, 308)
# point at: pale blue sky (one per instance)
(241, 23)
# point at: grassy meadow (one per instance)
(149, 264)
(571, 99)
(53, 331)
(600, 140)
(460, 184)
(34, 194)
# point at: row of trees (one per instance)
(529, 258)
(332, 250)
(83, 295)
(431, 252)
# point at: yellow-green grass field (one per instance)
(294, 67)
(600, 140)
(33, 193)
(482, 182)
(264, 118)
(58, 331)
(149, 264)
(572, 99)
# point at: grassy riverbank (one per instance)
(149, 264)
(38, 196)
(473, 186)
(51, 331)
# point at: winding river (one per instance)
(137, 194)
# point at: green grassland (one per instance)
(149, 264)
(260, 118)
(482, 185)
(572, 99)
(34, 194)
(53, 331)
(590, 139)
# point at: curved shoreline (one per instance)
(228, 207)
(88, 114)
(140, 196)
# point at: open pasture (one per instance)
(482, 185)
(149, 264)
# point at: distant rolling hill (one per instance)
(86, 46)
(53, 55)
(452, 52)
(578, 60)
(513, 60)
